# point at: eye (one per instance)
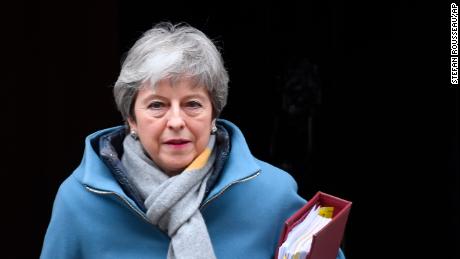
(193, 104)
(156, 105)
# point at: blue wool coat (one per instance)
(244, 212)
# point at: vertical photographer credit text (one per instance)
(454, 44)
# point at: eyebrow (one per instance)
(151, 96)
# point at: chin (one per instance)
(176, 169)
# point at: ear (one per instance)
(213, 126)
(132, 124)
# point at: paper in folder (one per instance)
(316, 230)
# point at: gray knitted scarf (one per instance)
(173, 202)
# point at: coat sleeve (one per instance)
(62, 239)
(340, 255)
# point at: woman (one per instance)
(175, 182)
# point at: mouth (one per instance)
(177, 143)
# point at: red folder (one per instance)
(326, 242)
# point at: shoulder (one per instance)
(275, 175)
(71, 197)
(278, 186)
(62, 235)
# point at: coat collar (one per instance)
(93, 172)
(240, 165)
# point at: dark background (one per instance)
(353, 99)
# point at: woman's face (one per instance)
(173, 122)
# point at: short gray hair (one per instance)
(170, 51)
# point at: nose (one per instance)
(175, 118)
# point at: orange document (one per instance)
(322, 234)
